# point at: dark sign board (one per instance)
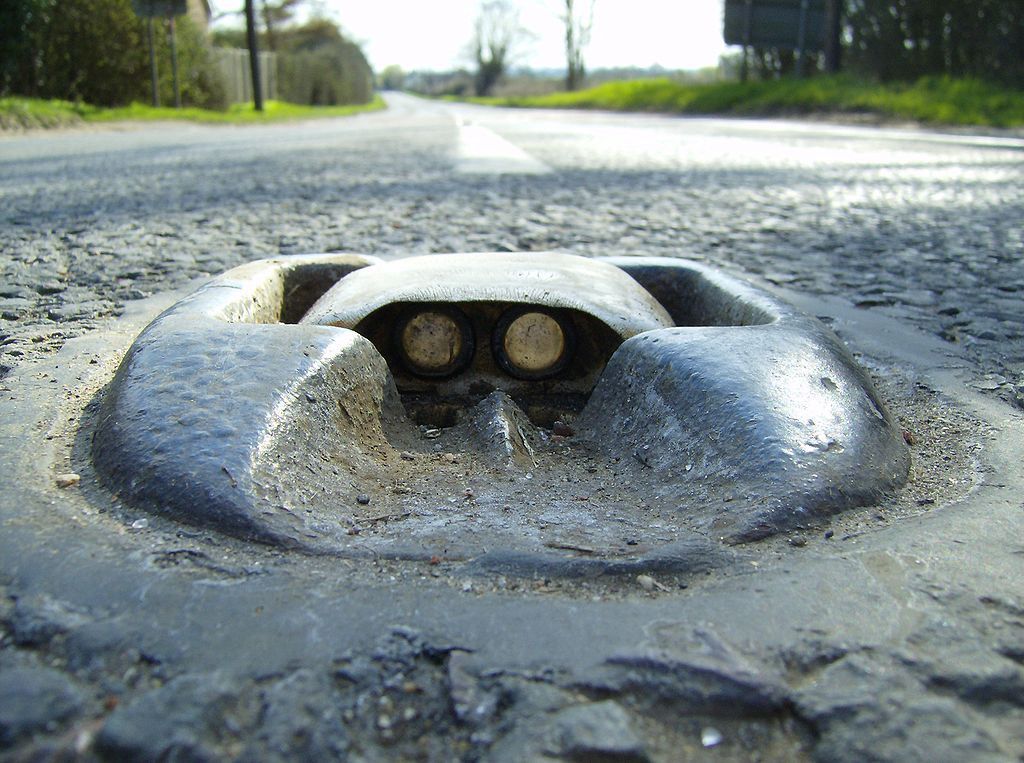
(160, 8)
(776, 23)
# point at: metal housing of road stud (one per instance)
(530, 411)
(541, 328)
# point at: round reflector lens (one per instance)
(435, 342)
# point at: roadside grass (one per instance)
(933, 100)
(29, 113)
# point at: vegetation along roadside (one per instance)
(34, 113)
(931, 100)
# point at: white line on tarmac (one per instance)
(482, 151)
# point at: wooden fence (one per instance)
(234, 67)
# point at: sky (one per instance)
(433, 34)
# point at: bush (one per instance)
(96, 51)
(200, 80)
(328, 76)
(319, 67)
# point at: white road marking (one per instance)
(482, 151)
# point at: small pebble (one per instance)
(406, 455)
(68, 480)
(140, 524)
(710, 737)
(362, 499)
(562, 429)
(649, 584)
(829, 534)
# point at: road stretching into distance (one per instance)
(895, 637)
(929, 226)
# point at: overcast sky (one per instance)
(433, 34)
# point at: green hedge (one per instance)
(96, 51)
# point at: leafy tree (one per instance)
(95, 51)
(392, 78)
(201, 81)
(19, 32)
(229, 37)
(275, 15)
(319, 66)
(907, 39)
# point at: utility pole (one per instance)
(254, 54)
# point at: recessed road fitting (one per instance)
(532, 411)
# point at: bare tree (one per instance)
(578, 19)
(496, 35)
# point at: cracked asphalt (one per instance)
(127, 637)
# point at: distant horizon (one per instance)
(559, 71)
(684, 35)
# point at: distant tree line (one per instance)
(908, 39)
(96, 51)
(499, 38)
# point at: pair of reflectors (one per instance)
(527, 342)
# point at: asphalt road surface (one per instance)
(892, 635)
(931, 225)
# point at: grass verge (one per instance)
(932, 100)
(30, 113)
